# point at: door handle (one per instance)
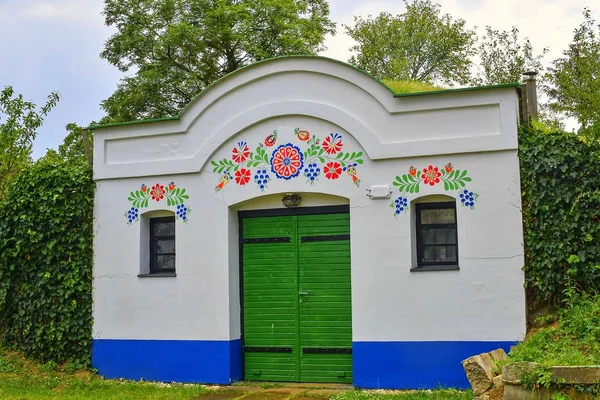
(303, 293)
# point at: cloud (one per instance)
(66, 10)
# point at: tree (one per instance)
(73, 149)
(504, 58)
(421, 44)
(179, 47)
(575, 78)
(19, 122)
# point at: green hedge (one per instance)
(46, 235)
(560, 178)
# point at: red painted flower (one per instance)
(242, 176)
(240, 153)
(412, 170)
(333, 143)
(449, 168)
(287, 161)
(431, 175)
(144, 188)
(158, 192)
(171, 186)
(332, 170)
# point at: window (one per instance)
(162, 245)
(436, 235)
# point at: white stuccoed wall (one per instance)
(476, 131)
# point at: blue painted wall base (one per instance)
(199, 361)
(415, 365)
(377, 365)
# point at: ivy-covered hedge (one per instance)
(46, 222)
(560, 179)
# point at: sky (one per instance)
(55, 45)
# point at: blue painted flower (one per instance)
(312, 172)
(261, 178)
(287, 161)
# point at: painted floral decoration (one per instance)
(332, 170)
(158, 192)
(399, 205)
(351, 170)
(242, 176)
(262, 178)
(241, 152)
(182, 212)
(431, 175)
(288, 161)
(302, 135)
(333, 143)
(452, 179)
(312, 172)
(271, 139)
(468, 198)
(174, 196)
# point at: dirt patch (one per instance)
(221, 395)
(323, 393)
(273, 394)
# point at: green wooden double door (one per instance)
(297, 313)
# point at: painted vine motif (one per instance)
(173, 195)
(452, 179)
(320, 158)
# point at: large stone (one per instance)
(511, 373)
(479, 370)
(498, 381)
(520, 393)
(576, 374)
(498, 355)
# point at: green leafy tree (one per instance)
(19, 122)
(73, 147)
(574, 78)
(420, 45)
(176, 48)
(504, 57)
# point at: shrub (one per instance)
(46, 235)
(560, 178)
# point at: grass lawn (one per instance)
(21, 379)
(416, 395)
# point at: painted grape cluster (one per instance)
(288, 161)
(467, 198)
(312, 172)
(262, 178)
(400, 205)
(175, 196)
(452, 179)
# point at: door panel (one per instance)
(297, 300)
(270, 299)
(325, 311)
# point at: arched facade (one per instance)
(353, 152)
